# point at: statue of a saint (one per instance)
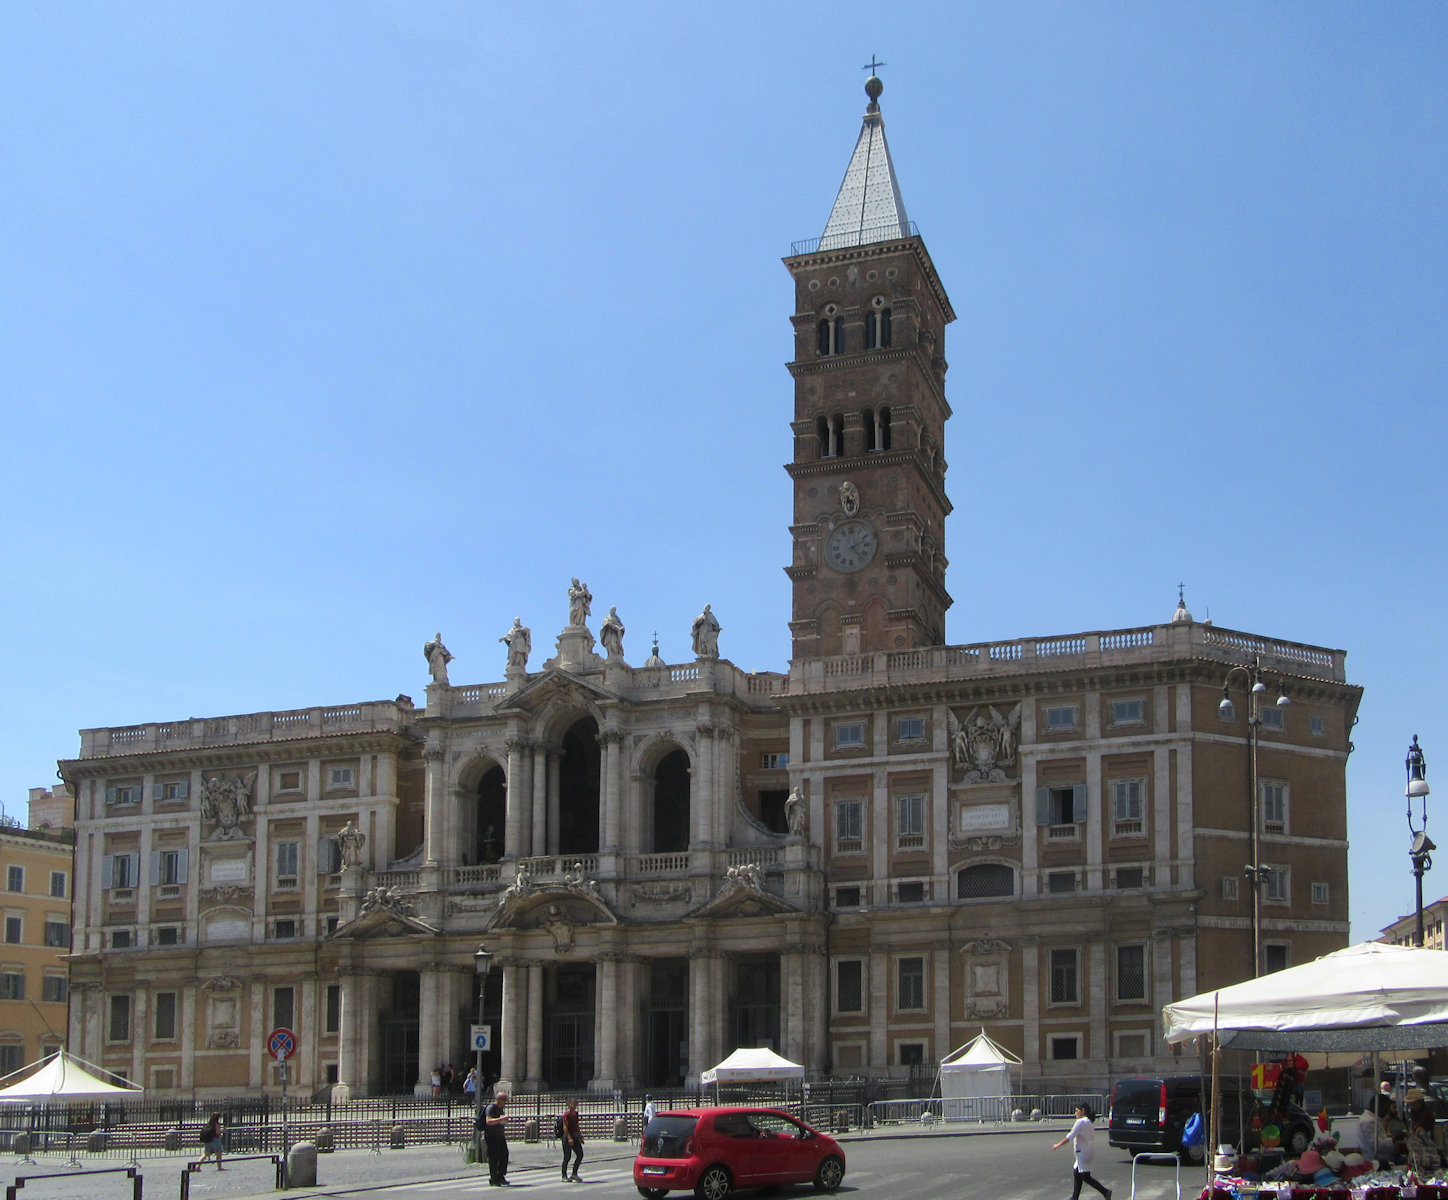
(611, 634)
(520, 643)
(350, 840)
(795, 814)
(580, 603)
(437, 659)
(706, 634)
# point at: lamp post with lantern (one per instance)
(1255, 872)
(1420, 851)
(482, 962)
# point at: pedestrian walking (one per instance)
(495, 1140)
(1083, 1140)
(211, 1139)
(572, 1141)
(648, 1110)
(470, 1084)
(436, 1081)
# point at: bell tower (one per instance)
(869, 421)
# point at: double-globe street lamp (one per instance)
(482, 961)
(1256, 874)
(1420, 851)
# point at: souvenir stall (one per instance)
(1366, 998)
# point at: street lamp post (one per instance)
(483, 961)
(1255, 872)
(1420, 852)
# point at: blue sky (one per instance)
(325, 326)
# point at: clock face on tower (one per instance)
(851, 546)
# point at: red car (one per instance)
(715, 1150)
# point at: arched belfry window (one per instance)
(837, 435)
(882, 428)
(831, 332)
(877, 325)
(867, 419)
(822, 431)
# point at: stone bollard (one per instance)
(1018, 1115)
(530, 1129)
(173, 1140)
(95, 1141)
(620, 1129)
(324, 1140)
(302, 1165)
(399, 1137)
(21, 1143)
(1037, 1115)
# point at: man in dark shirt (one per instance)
(495, 1140)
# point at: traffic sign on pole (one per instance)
(482, 1038)
(281, 1043)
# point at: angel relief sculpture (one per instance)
(982, 745)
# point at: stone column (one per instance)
(703, 1001)
(555, 767)
(611, 741)
(606, 1017)
(254, 1035)
(516, 826)
(190, 1031)
(1031, 1049)
(793, 1014)
(535, 1027)
(879, 968)
(352, 1040)
(726, 765)
(701, 787)
(429, 1050)
(540, 800)
(435, 802)
(513, 1063)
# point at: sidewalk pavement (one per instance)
(252, 1177)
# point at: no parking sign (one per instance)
(281, 1044)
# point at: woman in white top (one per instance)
(1082, 1138)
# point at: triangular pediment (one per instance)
(384, 922)
(741, 897)
(552, 685)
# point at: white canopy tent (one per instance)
(975, 1081)
(62, 1079)
(1366, 997)
(757, 1065)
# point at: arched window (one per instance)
(867, 419)
(492, 811)
(882, 428)
(831, 332)
(822, 431)
(985, 879)
(671, 803)
(877, 325)
(578, 790)
(837, 435)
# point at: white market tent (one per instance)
(979, 1068)
(1367, 997)
(61, 1079)
(757, 1065)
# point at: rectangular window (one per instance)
(168, 935)
(12, 1058)
(53, 989)
(57, 933)
(912, 1054)
(122, 870)
(289, 781)
(57, 884)
(1229, 887)
(910, 729)
(332, 1016)
(774, 761)
(341, 777)
(1274, 806)
(12, 985)
(1319, 893)
(1317, 726)
(847, 897)
(1061, 805)
(14, 930)
(1063, 977)
(165, 1009)
(911, 891)
(168, 867)
(1128, 712)
(1130, 1044)
(1127, 810)
(1273, 717)
(1274, 957)
(909, 822)
(171, 789)
(1276, 890)
(1066, 1046)
(1058, 883)
(849, 736)
(118, 1027)
(329, 856)
(849, 826)
(284, 1008)
(120, 939)
(850, 986)
(286, 927)
(1130, 973)
(15, 879)
(911, 979)
(332, 923)
(1061, 718)
(124, 793)
(287, 856)
(1130, 879)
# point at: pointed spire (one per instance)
(868, 207)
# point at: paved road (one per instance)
(944, 1165)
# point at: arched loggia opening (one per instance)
(578, 782)
(671, 803)
(492, 812)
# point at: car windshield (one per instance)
(667, 1134)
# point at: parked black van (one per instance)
(1149, 1112)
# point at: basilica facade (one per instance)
(860, 861)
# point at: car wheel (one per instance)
(1190, 1155)
(714, 1183)
(831, 1171)
(653, 1193)
(1299, 1138)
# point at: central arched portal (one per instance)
(578, 780)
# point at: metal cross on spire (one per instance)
(872, 66)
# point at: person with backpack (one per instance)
(571, 1136)
(211, 1139)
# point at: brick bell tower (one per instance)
(869, 421)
